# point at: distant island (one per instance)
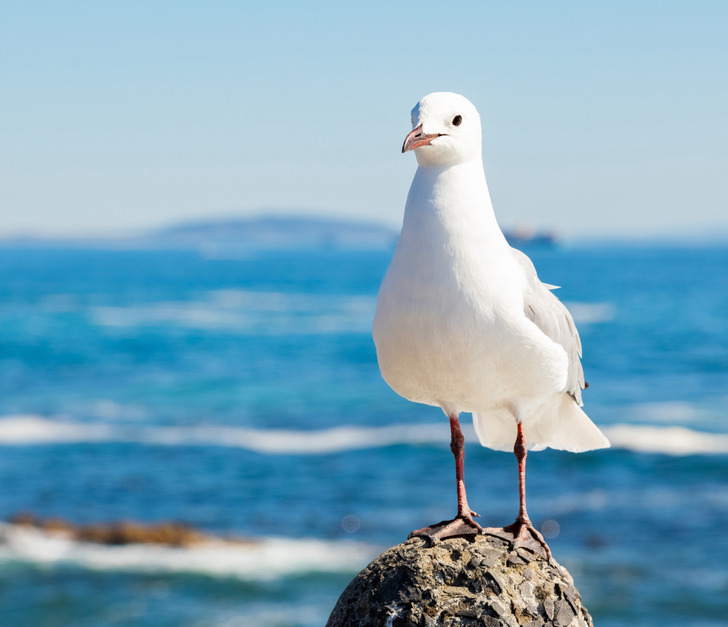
(277, 231)
(287, 231)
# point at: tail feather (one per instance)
(566, 427)
(496, 429)
(561, 425)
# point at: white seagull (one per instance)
(464, 323)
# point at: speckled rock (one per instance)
(460, 581)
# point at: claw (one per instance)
(463, 525)
(526, 536)
(523, 532)
(460, 527)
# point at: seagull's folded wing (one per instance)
(552, 317)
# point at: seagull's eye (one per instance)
(457, 120)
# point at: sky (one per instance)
(600, 118)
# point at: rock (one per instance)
(122, 532)
(481, 581)
(129, 532)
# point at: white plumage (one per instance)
(462, 320)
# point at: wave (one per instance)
(240, 311)
(665, 412)
(24, 430)
(591, 313)
(667, 440)
(263, 559)
(30, 429)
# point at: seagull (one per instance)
(464, 323)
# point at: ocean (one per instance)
(238, 391)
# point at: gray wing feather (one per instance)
(550, 315)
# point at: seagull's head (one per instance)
(446, 130)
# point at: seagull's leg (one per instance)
(523, 531)
(457, 446)
(463, 524)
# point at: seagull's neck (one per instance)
(455, 201)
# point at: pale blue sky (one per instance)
(600, 118)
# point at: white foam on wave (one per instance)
(266, 559)
(591, 313)
(241, 311)
(274, 441)
(667, 440)
(32, 430)
(23, 429)
(665, 412)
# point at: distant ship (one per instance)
(524, 235)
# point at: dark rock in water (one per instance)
(129, 532)
(120, 532)
(458, 582)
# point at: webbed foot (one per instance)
(460, 527)
(526, 536)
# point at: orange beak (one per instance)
(417, 138)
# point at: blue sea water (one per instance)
(241, 394)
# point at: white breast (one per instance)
(449, 326)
